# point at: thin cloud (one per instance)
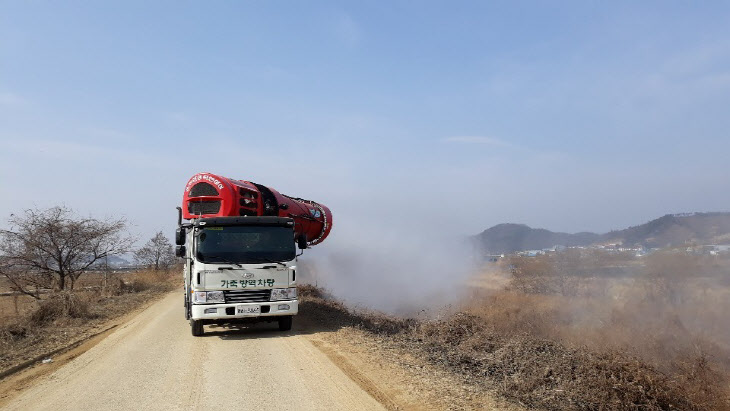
(106, 134)
(11, 99)
(490, 141)
(347, 30)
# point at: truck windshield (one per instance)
(245, 244)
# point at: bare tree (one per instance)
(51, 248)
(157, 253)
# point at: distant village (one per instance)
(708, 249)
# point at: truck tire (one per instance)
(285, 323)
(197, 327)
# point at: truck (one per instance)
(240, 242)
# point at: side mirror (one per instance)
(180, 251)
(302, 242)
(180, 236)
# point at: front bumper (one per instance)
(228, 311)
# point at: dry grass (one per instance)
(558, 338)
(37, 326)
(544, 373)
(15, 305)
(61, 305)
(669, 316)
(677, 304)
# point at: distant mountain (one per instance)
(113, 261)
(669, 230)
(676, 229)
(507, 238)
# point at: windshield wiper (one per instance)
(266, 260)
(222, 258)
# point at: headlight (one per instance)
(202, 297)
(283, 294)
(215, 297)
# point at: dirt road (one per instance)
(152, 362)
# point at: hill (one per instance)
(507, 238)
(675, 230)
(113, 261)
(669, 230)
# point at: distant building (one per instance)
(716, 249)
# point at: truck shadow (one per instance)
(315, 316)
(247, 331)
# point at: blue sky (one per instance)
(564, 115)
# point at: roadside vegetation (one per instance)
(32, 327)
(56, 287)
(653, 335)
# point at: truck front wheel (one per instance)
(285, 323)
(197, 327)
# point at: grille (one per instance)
(203, 189)
(206, 207)
(247, 296)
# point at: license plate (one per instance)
(248, 310)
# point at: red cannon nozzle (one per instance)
(210, 195)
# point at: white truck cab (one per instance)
(239, 270)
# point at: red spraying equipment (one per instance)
(209, 195)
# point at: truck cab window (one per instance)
(245, 244)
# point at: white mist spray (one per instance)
(404, 268)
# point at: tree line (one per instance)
(51, 248)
